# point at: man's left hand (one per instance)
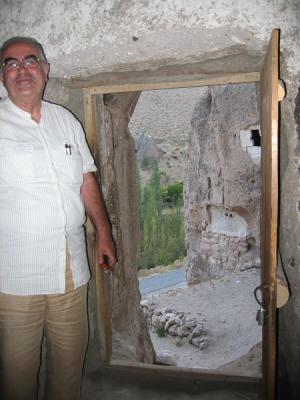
(106, 252)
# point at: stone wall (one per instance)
(222, 184)
(173, 323)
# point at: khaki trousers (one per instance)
(62, 318)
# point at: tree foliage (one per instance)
(172, 194)
(161, 219)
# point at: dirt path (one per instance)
(227, 309)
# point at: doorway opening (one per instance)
(202, 314)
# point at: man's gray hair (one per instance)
(23, 39)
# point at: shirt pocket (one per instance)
(16, 163)
(75, 166)
(42, 165)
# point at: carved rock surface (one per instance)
(222, 184)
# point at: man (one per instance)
(46, 182)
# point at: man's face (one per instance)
(24, 84)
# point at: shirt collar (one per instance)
(19, 110)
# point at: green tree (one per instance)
(172, 194)
(162, 227)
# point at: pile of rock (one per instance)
(168, 322)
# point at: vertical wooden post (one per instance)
(269, 207)
(102, 284)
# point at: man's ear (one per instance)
(46, 68)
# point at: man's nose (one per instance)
(22, 69)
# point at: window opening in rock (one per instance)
(250, 141)
(255, 137)
(200, 308)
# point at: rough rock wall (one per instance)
(222, 185)
(130, 336)
(289, 234)
(86, 36)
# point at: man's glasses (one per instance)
(12, 64)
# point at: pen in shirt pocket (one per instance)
(68, 149)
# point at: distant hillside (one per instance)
(161, 125)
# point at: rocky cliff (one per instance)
(222, 183)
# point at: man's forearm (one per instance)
(94, 203)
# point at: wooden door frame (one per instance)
(176, 82)
(119, 86)
(274, 288)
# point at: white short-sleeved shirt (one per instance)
(41, 209)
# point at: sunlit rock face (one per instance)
(222, 184)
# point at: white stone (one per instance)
(200, 343)
(165, 358)
(183, 331)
